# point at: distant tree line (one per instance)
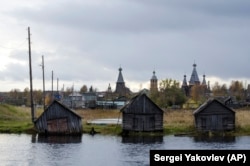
(169, 93)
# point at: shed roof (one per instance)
(209, 102)
(62, 105)
(135, 99)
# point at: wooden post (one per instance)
(43, 84)
(52, 85)
(31, 85)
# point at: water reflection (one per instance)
(142, 139)
(22, 149)
(54, 139)
(214, 139)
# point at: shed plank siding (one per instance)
(141, 114)
(214, 116)
(58, 119)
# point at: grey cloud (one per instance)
(79, 40)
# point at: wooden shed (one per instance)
(141, 114)
(58, 119)
(214, 116)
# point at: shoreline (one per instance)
(116, 130)
(17, 120)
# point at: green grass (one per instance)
(18, 120)
(14, 119)
(103, 129)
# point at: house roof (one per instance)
(209, 102)
(134, 99)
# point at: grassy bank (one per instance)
(18, 120)
(14, 119)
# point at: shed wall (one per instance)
(215, 117)
(57, 119)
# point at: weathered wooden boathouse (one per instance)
(59, 120)
(141, 114)
(214, 116)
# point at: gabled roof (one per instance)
(209, 102)
(135, 99)
(62, 105)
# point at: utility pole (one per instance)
(31, 85)
(52, 86)
(57, 85)
(43, 84)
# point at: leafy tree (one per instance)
(38, 97)
(83, 89)
(236, 89)
(169, 94)
(26, 96)
(219, 90)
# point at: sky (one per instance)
(85, 42)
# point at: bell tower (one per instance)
(153, 83)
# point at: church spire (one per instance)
(120, 77)
(185, 85)
(184, 82)
(204, 80)
(194, 80)
(120, 84)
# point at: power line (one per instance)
(15, 47)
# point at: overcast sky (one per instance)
(86, 41)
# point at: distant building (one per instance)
(153, 83)
(121, 89)
(90, 99)
(195, 81)
(74, 100)
(214, 116)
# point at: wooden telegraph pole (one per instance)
(43, 84)
(31, 85)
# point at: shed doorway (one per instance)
(214, 122)
(57, 125)
(144, 123)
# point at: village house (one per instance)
(214, 116)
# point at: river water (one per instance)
(100, 150)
